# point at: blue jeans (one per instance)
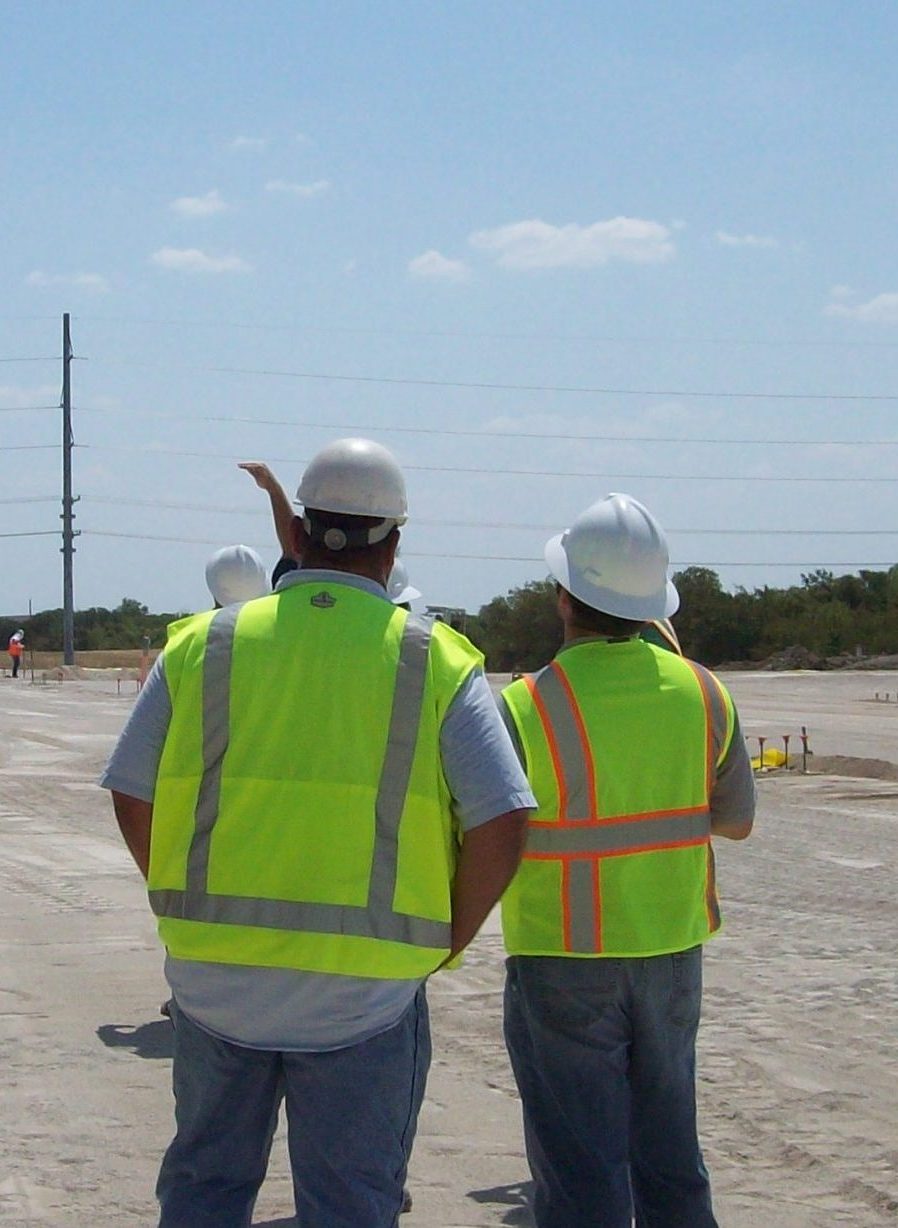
(351, 1117)
(603, 1051)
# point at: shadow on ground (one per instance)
(147, 1040)
(516, 1197)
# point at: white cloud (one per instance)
(250, 144)
(882, 309)
(434, 264)
(726, 239)
(80, 281)
(200, 206)
(298, 189)
(535, 244)
(192, 260)
(841, 292)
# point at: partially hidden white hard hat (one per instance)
(398, 588)
(355, 477)
(614, 558)
(236, 573)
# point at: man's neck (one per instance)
(367, 573)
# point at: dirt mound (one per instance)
(795, 657)
(850, 765)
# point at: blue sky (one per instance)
(536, 249)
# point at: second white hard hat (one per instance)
(356, 477)
(398, 588)
(614, 558)
(236, 573)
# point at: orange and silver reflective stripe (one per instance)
(375, 919)
(579, 843)
(575, 773)
(665, 629)
(568, 743)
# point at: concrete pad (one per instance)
(798, 1057)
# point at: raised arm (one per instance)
(281, 508)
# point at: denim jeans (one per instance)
(351, 1117)
(603, 1051)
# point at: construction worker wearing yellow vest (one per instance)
(325, 803)
(636, 759)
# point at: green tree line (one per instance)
(826, 614)
(95, 628)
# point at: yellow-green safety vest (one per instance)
(301, 818)
(622, 742)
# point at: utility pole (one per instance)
(68, 533)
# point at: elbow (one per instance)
(733, 829)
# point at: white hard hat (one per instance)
(614, 558)
(398, 588)
(356, 477)
(19, 635)
(236, 573)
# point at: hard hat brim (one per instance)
(620, 605)
(409, 593)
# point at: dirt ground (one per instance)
(798, 1056)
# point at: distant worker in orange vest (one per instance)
(15, 649)
(636, 759)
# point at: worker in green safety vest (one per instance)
(636, 759)
(325, 803)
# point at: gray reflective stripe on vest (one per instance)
(570, 748)
(376, 919)
(405, 717)
(298, 916)
(216, 733)
(583, 880)
(616, 836)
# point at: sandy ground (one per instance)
(798, 1056)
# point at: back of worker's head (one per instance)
(353, 500)
(236, 573)
(613, 560)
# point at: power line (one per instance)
(36, 533)
(487, 558)
(27, 447)
(21, 409)
(52, 358)
(501, 387)
(462, 334)
(89, 500)
(493, 472)
(33, 499)
(431, 430)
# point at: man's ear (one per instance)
(563, 604)
(300, 536)
(392, 543)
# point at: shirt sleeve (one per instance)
(134, 762)
(733, 792)
(479, 761)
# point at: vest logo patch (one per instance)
(323, 600)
